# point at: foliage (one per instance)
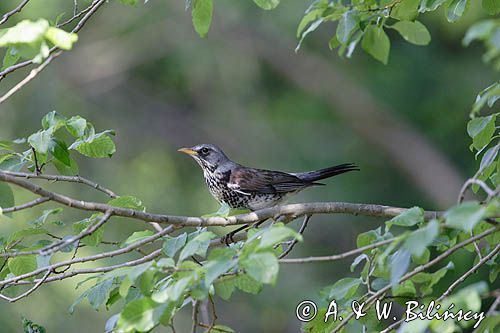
(189, 266)
(33, 40)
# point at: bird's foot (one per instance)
(229, 238)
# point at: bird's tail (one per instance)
(311, 176)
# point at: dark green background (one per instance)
(145, 73)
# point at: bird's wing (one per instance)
(249, 180)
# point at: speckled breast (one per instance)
(217, 185)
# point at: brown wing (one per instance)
(249, 180)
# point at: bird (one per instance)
(242, 187)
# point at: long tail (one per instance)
(311, 176)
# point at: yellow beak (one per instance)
(188, 151)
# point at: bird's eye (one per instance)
(205, 151)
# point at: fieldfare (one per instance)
(242, 187)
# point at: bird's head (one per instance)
(208, 156)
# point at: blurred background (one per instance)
(146, 74)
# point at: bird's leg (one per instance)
(228, 238)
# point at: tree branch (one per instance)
(95, 257)
(54, 51)
(295, 241)
(7, 15)
(293, 210)
(29, 291)
(59, 178)
(452, 286)
(30, 204)
(337, 256)
(417, 270)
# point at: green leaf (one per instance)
(414, 32)
(127, 201)
(15, 236)
(137, 236)
(342, 289)
(60, 151)
(408, 218)
(76, 126)
(406, 10)
(45, 215)
(63, 169)
(428, 280)
(219, 262)
(347, 24)
(53, 121)
(60, 38)
(465, 216)
(10, 58)
(492, 7)
(480, 30)
(263, 267)
(24, 32)
(129, 2)
(418, 240)
(309, 17)
(202, 16)
(267, 4)
(456, 9)
(376, 43)
(40, 141)
(198, 245)
(13, 163)
(247, 284)
(174, 244)
(99, 147)
(31, 327)
(22, 264)
(399, 264)
(137, 315)
(481, 130)
(407, 288)
(224, 288)
(99, 293)
(430, 5)
(177, 289)
(367, 238)
(6, 196)
(275, 235)
(93, 239)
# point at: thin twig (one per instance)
(214, 314)
(469, 273)
(7, 15)
(86, 232)
(451, 287)
(95, 257)
(75, 16)
(493, 306)
(29, 291)
(54, 53)
(337, 256)
(103, 269)
(69, 179)
(473, 181)
(30, 204)
(29, 77)
(295, 241)
(194, 316)
(414, 272)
